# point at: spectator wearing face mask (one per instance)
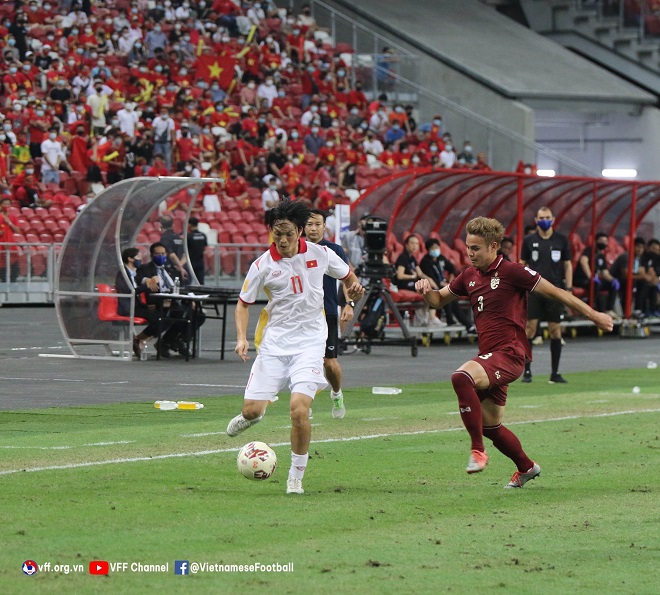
(53, 157)
(605, 285)
(466, 157)
(447, 156)
(270, 197)
(98, 104)
(313, 141)
(267, 92)
(153, 40)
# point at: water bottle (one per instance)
(177, 286)
(406, 319)
(386, 390)
(143, 354)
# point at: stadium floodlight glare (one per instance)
(619, 173)
(546, 173)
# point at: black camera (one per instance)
(375, 239)
(375, 245)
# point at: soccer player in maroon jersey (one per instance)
(497, 290)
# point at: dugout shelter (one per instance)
(438, 202)
(91, 256)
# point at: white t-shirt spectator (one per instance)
(53, 154)
(447, 158)
(269, 198)
(373, 146)
(128, 120)
(267, 92)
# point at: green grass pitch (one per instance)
(388, 506)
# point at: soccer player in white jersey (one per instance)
(291, 334)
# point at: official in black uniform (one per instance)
(314, 231)
(174, 244)
(547, 252)
(197, 243)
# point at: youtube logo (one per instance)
(99, 567)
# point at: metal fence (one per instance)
(27, 271)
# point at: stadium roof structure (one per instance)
(91, 255)
(431, 201)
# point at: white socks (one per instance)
(298, 464)
(336, 395)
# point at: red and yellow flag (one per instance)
(216, 67)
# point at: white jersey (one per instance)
(293, 321)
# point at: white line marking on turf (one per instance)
(598, 401)
(201, 453)
(109, 443)
(44, 379)
(201, 434)
(40, 447)
(215, 385)
(374, 418)
(115, 382)
(528, 406)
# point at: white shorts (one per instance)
(302, 373)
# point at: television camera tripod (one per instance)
(376, 289)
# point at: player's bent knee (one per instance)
(461, 379)
(253, 409)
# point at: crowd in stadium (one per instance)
(96, 93)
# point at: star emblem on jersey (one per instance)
(494, 282)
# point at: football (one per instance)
(257, 460)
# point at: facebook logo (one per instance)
(181, 567)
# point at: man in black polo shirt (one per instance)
(547, 252)
(197, 243)
(173, 242)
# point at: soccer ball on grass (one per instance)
(257, 460)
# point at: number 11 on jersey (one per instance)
(296, 281)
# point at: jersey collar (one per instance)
(495, 264)
(275, 255)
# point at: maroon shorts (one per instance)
(502, 368)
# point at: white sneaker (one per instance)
(537, 340)
(338, 408)
(294, 486)
(239, 424)
(436, 322)
(519, 479)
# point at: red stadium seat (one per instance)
(107, 309)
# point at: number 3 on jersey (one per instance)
(296, 282)
(480, 303)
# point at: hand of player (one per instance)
(423, 286)
(355, 291)
(242, 349)
(603, 321)
(346, 313)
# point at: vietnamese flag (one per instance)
(312, 264)
(220, 68)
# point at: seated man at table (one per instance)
(156, 272)
(130, 258)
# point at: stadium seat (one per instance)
(107, 309)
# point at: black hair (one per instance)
(601, 234)
(653, 241)
(319, 212)
(129, 253)
(287, 210)
(155, 245)
(506, 239)
(640, 240)
(193, 221)
(431, 242)
(166, 222)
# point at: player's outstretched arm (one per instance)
(354, 289)
(600, 319)
(434, 298)
(241, 317)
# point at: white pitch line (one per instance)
(202, 434)
(215, 385)
(39, 447)
(201, 453)
(110, 443)
(44, 379)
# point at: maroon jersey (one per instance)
(499, 303)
